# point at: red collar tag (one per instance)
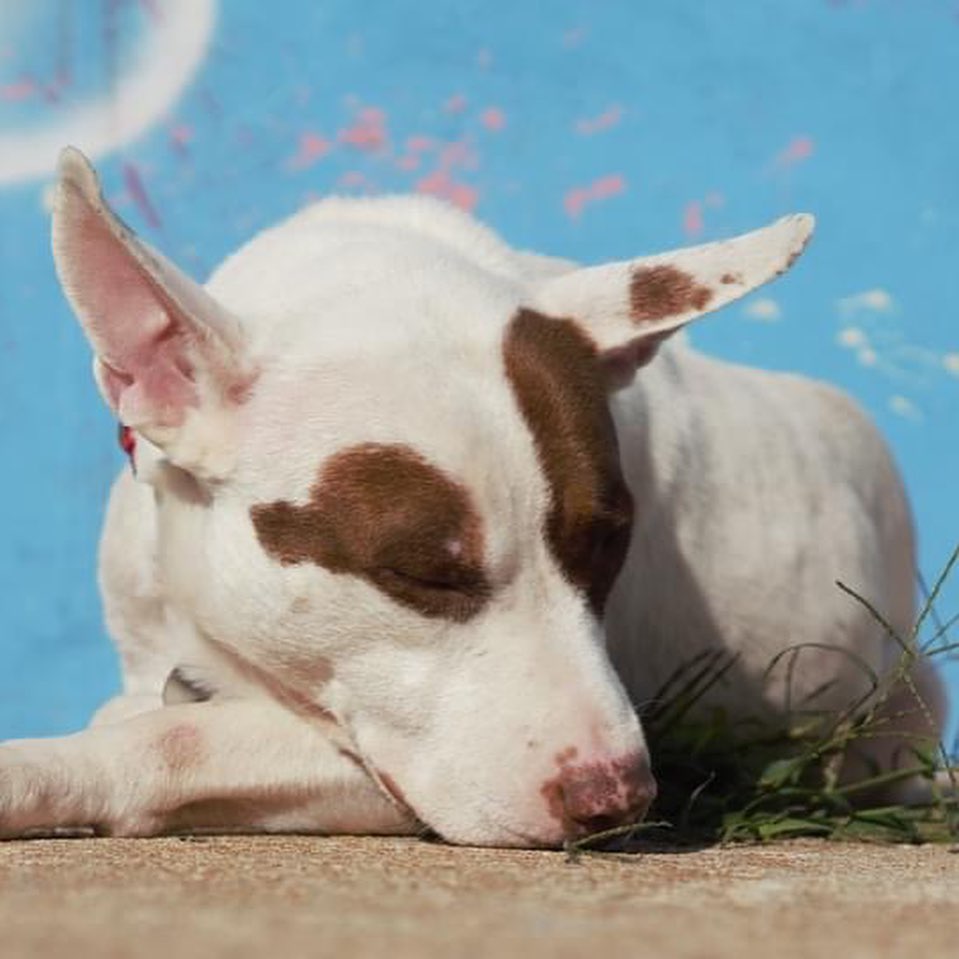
(128, 441)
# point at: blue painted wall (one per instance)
(585, 129)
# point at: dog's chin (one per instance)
(504, 837)
(494, 831)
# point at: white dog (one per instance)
(405, 539)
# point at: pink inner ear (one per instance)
(140, 338)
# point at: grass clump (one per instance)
(731, 781)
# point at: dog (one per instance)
(414, 524)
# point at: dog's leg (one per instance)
(234, 765)
(910, 719)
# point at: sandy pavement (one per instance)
(357, 897)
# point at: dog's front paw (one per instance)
(35, 795)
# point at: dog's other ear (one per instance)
(170, 361)
(629, 307)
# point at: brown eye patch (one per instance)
(555, 373)
(381, 512)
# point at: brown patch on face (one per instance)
(659, 291)
(558, 381)
(381, 512)
(181, 747)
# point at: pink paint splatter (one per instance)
(693, 218)
(356, 180)
(152, 9)
(137, 191)
(181, 136)
(493, 118)
(574, 37)
(607, 119)
(368, 132)
(211, 103)
(484, 59)
(577, 199)
(21, 89)
(408, 162)
(457, 103)
(799, 149)
(441, 184)
(458, 153)
(419, 143)
(715, 200)
(312, 147)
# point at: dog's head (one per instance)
(388, 476)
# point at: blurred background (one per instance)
(591, 129)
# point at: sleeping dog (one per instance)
(414, 524)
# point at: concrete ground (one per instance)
(358, 897)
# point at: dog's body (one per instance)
(382, 527)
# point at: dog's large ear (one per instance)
(170, 361)
(629, 307)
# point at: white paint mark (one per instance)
(171, 50)
(951, 362)
(876, 300)
(852, 336)
(867, 356)
(904, 407)
(766, 310)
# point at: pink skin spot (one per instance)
(493, 119)
(455, 104)
(796, 151)
(137, 191)
(577, 199)
(441, 184)
(312, 147)
(605, 121)
(693, 218)
(181, 747)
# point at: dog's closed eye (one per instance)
(456, 581)
(452, 592)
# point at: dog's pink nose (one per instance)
(594, 796)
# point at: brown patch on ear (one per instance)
(382, 513)
(657, 292)
(795, 255)
(559, 383)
